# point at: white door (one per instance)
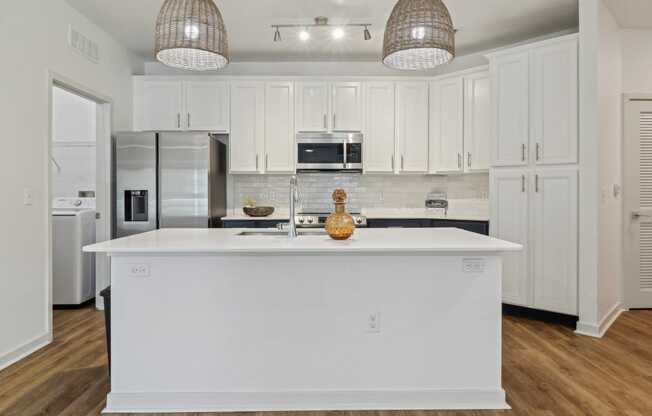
(477, 122)
(510, 86)
(554, 106)
(207, 106)
(279, 127)
(446, 126)
(412, 126)
(346, 111)
(246, 141)
(638, 204)
(509, 221)
(554, 239)
(380, 128)
(162, 105)
(312, 111)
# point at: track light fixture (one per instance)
(337, 33)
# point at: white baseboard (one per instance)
(598, 330)
(23, 351)
(306, 400)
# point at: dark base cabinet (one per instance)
(252, 223)
(479, 227)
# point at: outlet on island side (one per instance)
(473, 265)
(139, 270)
(373, 323)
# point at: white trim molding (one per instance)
(26, 349)
(170, 402)
(598, 330)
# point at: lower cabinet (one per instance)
(538, 208)
(252, 223)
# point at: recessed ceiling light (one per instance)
(338, 33)
(304, 35)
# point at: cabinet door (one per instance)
(279, 127)
(312, 107)
(446, 126)
(380, 122)
(346, 106)
(554, 240)
(509, 221)
(207, 106)
(554, 103)
(162, 105)
(477, 122)
(246, 141)
(412, 119)
(510, 86)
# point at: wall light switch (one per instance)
(28, 197)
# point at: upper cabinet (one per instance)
(477, 122)
(279, 127)
(380, 132)
(328, 106)
(412, 126)
(535, 104)
(174, 104)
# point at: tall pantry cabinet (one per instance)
(534, 174)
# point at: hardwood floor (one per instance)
(547, 371)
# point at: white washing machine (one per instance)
(73, 271)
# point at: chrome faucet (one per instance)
(294, 199)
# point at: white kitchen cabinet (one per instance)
(312, 107)
(323, 106)
(161, 105)
(509, 221)
(279, 127)
(446, 125)
(346, 106)
(554, 103)
(554, 239)
(246, 141)
(207, 106)
(412, 126)
(181, 104)
(477, 122)
(380, 122)
(510, 86)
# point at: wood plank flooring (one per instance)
(547, 371)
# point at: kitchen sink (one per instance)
(277, 233)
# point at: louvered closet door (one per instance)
(638, 203)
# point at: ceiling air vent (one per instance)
(83, 45)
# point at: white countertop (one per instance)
(458, 209)
(224, 241)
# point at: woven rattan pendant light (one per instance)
(419, 35)
(190, 34)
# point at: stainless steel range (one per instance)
(319, 220)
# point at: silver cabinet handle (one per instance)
(334, 120)
(523, 152)
(459, 161)
(325, 121)
(266, 161)
(522, 183)
(256, 161)
(178, 120)
(468, 157)
(392, 163)
(536, 183)
(402, 162)
(188, 120)
(538, 152)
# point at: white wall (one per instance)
(610, 266)
(33, 41)
(637, 61)
(75, 130)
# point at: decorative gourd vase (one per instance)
(340, 224)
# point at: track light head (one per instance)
(367, 33)
(277, 35)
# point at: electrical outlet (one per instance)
(473, 265)
(28, 197)
(373, 322)
(139, 270)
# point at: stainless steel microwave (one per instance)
(319, 152)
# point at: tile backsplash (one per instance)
(365, 191)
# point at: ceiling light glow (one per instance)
(304, 35)
(338, 33)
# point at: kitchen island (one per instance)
(249, 320)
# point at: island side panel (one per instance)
(273, 332)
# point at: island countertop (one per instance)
(222, 241)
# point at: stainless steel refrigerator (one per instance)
(168, 180)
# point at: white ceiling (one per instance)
(482, 24)
(632, 14)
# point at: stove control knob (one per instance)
(310, 220)
(358, 220)
(301, 220)
(77, 203)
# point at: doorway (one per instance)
(79, 159)
(638, 202)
